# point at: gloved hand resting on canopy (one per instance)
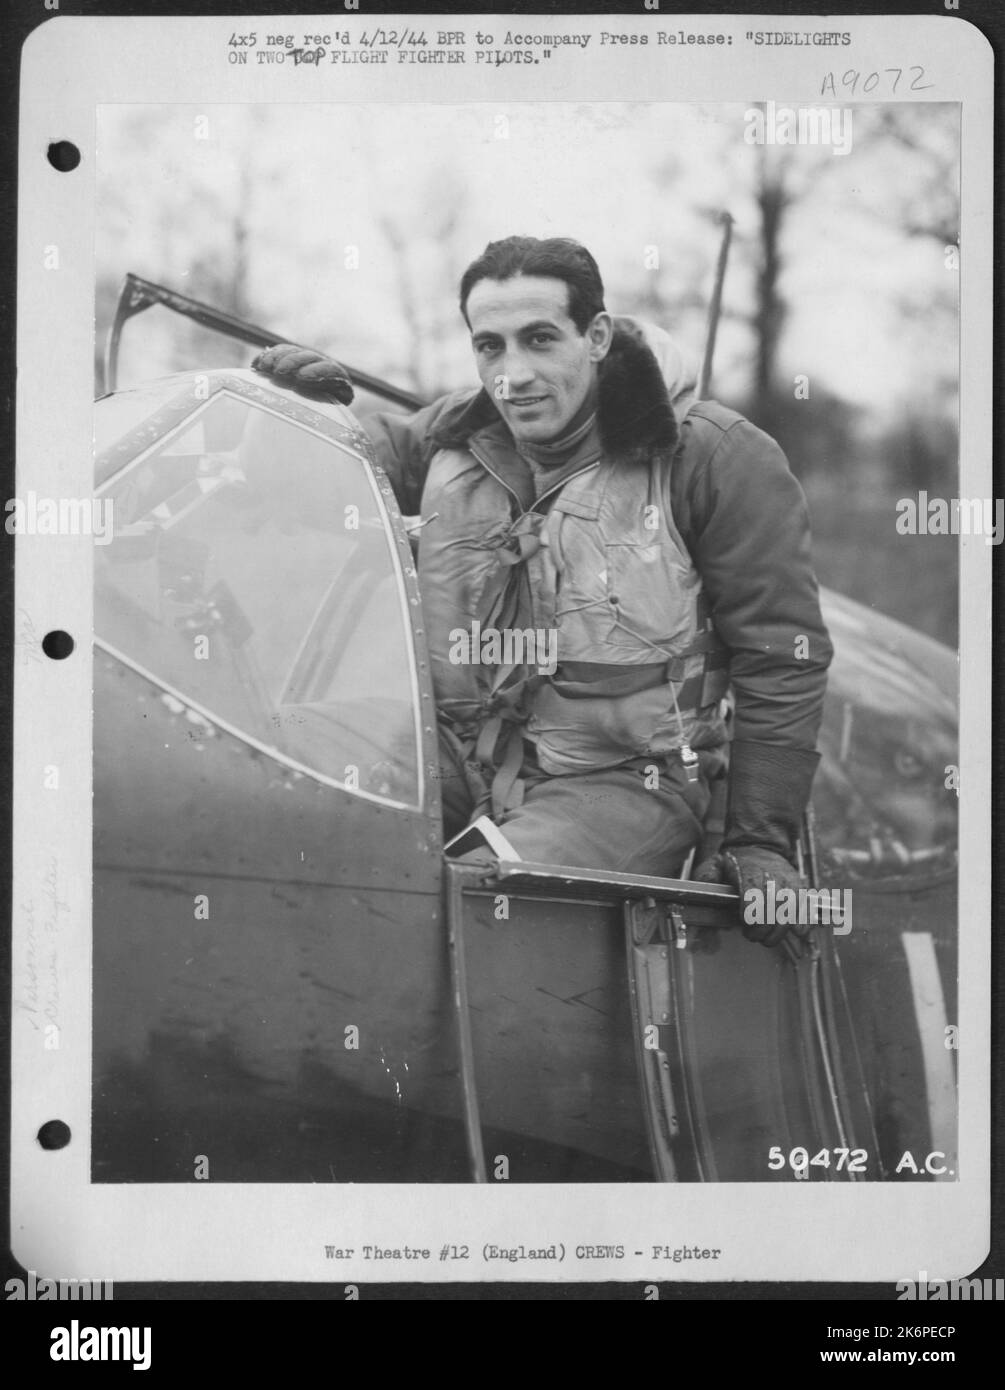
(307, 371)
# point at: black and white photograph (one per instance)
(528, 762)
(608, 668)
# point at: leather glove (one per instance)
(752, 868)
(309, 372)
(769, 788)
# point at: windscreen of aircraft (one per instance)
(251, 572)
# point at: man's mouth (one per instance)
(522, 401)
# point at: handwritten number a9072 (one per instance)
(849, 81)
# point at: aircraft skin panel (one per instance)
(551, 1026)
(236, 940)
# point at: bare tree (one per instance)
(425, 253)
(928, 203)
(774, 196)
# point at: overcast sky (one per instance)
(622, 178)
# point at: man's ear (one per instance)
(599, 334)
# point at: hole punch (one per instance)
(63, 155)
(54, 1134)
(57, 644)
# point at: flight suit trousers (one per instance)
(641, 817)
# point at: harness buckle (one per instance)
(689, 758)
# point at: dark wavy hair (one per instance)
(558, 257)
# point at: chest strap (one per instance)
(588, 680)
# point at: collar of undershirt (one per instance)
(558, 452)
(549, 463)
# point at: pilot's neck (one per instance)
(556, 453)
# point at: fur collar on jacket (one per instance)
(634, 413)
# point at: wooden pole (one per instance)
(715, 305)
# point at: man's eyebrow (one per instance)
(524, 329)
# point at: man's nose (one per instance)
(518, 370)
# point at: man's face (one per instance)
(533, 361)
